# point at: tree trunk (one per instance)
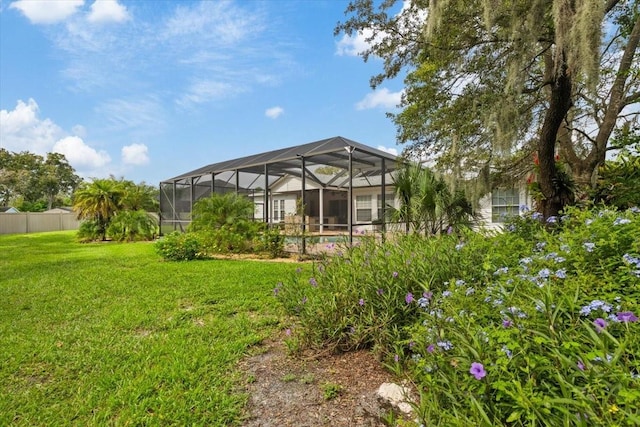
(554, 198)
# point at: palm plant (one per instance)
(228, 211)
(132, 225)
(98, 201)
(427, 205)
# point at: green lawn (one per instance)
(108, 334)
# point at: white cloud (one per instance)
(208, 90)
(221, 21)
(22, 130)
(380, 98)
(79, 154)
(274, 112)
(393, 151)
(108, 11)
(135, 154)
(134, 113)
(354, 45)
(47, 11)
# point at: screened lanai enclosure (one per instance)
(335, 186)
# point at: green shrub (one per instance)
(132, 226)
(270, 241)
(89, 231)
(180, 247)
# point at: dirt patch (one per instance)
(338, 390)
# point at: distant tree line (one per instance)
(31, 182)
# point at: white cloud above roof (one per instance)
(79, 154)
(47, 11)
(274, 112)
(380, 98)
(108, 11)
(22, 130)
(393, 151)
(135, 154)
(353, 45)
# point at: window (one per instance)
(389, 200)
(363, 208)
(278, 210)
(504, 203)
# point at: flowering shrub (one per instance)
(537, 328)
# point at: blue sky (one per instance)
(150, 89)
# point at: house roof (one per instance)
(8, 209)
(333, 152)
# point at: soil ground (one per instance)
(338, 390)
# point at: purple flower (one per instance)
(477, 370)
(580, 365)
(288, 332)
(536, 216)
(313, 282)
(626, 317)
(552, 219)
(506, 323)
(589, 246)
(409, 298)
(396, 358)
(427, 295)
(621, 221)
(275, 291)
(361, 302)
(445, 345)
(380, 291)
(544, 273)
(431, 348)
(450, 230)
(600, 324)
(395, 274)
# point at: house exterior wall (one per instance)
(486, 208)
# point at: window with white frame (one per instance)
(278, 210)
(505, 202)
(389, 200)
(363, 208)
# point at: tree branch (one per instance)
(610, 5)
(630, 99)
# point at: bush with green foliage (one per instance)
(132, 226)
(180, 247)
(535, 326)
(89, 231)
(619, 180)
(271, 241)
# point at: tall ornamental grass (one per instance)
(536, 326)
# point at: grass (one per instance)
(108, 334)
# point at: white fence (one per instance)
(36, 222)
